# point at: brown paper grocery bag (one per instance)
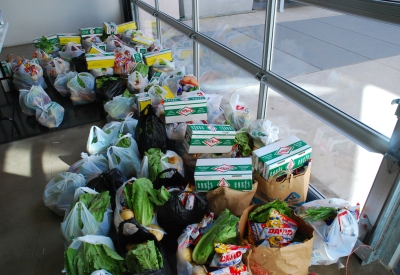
(236, 201)
(292, 190)
(289, 260)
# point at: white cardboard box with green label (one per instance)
(287, 154)
(203, 138)
(185, 109)
(235, 173)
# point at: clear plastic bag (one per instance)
(50, 115)
(119, 107)
(136, 82)
(88, 41)
(263, 132)
(28, 73)
(157, 94)
(113, 42)
(176, 131)
(101, 272)
(32, 99)
(101, 72)
(127, 160)
(215, 114)
(128, 125)
(163, 63)
(144, 168)
(56, 67)
(81, 87)
(172, 160)
(90, 166)
(70, 51)
(59, 191)
(236, 113)
(99, 140)
(42, 57)
(60, 84)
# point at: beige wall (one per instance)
(31, 19)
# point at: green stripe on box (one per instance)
(201, 142)
(193, 111)
(220, 128)
(296, 164)
(169, 100)
(275, 154)
(92, 31)
(236, 184)
(235, 168)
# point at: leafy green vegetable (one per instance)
(243, 141)
(80, 82)
(321, 213)
(144, 257)
(127, 94)
(261, 213)
(45, 45)
(158, 197)
(92, 257)
(143, 69)
(154, 156)
(124, 142)
(105, 81)
(158, 90)
(222, 231)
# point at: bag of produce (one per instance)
(215, 114)
(123, 65)
(119, 107)
(174, 180)
(60, 84)
(107, 87)
(101, 272)
(90, 166)
(109, 181)
(263, 132)
(137, 198)
(70, 51)
(88, 41)
(79, 63)
(113, 42)
(102, 72)
(59, 191)
(172, 160)
(31, 99)
(89, 253)
(183, 208)
(154, 165)
(28, 73)
(187, 84)
(164, 64)
(42, 57)
(236, 113)
(50, 115)
(124, 155)
(128, 125)
(57, 66)
(136, 82)
(100, 139)
(90, 214)
(81, 87)
(157, 94)
(176, 131)
(150, 131)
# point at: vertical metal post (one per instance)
(135, 9)
(270, 15)
(196, 46)
(158, 21)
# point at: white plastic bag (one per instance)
(127, 160)
(88, 41)
(101, 72)
(101, 272)
(57, 66)
(99, 140)
(32, 99)
(136, 82)
(70, 229)
(50, 115)
(263, 132)
(215, 115)
(90, 166)
(42, 57)
(164, 64)
(113, 42)
(70, 51)
(60, 84)
(59, 191)
(144, 168)
(176, 131)
(28, 73)
(119, 196)
(81, 87)
(157, 94)
(128, 125)
(172, 160)
(236, 113)
(171, 79)
(119, 107)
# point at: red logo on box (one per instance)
(185, 111)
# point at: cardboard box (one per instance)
(85, 32)
(287, 154)
(126, 26)
(142, 100)
(142, 40)
(99, 61)
(95, 49)
(235, 173)
(150, 58)
(141, 49)
(52, 38)
(203, 138)
(110, 28)
(183, 110)
(65, 38)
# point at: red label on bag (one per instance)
(257, 269)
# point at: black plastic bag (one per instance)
(80, 64)
(140, 236)
(175, 181)
(150, 131)
(110, 180)
(173, 217)
(109, 88)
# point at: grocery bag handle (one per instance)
(166, 171)
(273, 181)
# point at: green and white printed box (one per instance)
(52, 38)
(110, 28)
(142, 100)
(287, 154)
(203, 138)
(234, 173)
(185, 109)
(85, 32)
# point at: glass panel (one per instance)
(219, 76)
(147, 23)
(340, 168)
(350, 62)
(175, 8)
(238, 24)
(150, 2)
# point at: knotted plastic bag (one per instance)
(56, 67)
(236, 113)
(32, 99)
(28, 73)
(60, 84)
(100, 139)
(136, 82)
(50, 115)
(70, 51)
(42, 57)
(90, 166)
(81, 87)
(263, 132)
(119, 107)
(157, 94)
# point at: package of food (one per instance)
(240, 269)
(110, 28)
(65, 38)
(228, 255)
(85, 32)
